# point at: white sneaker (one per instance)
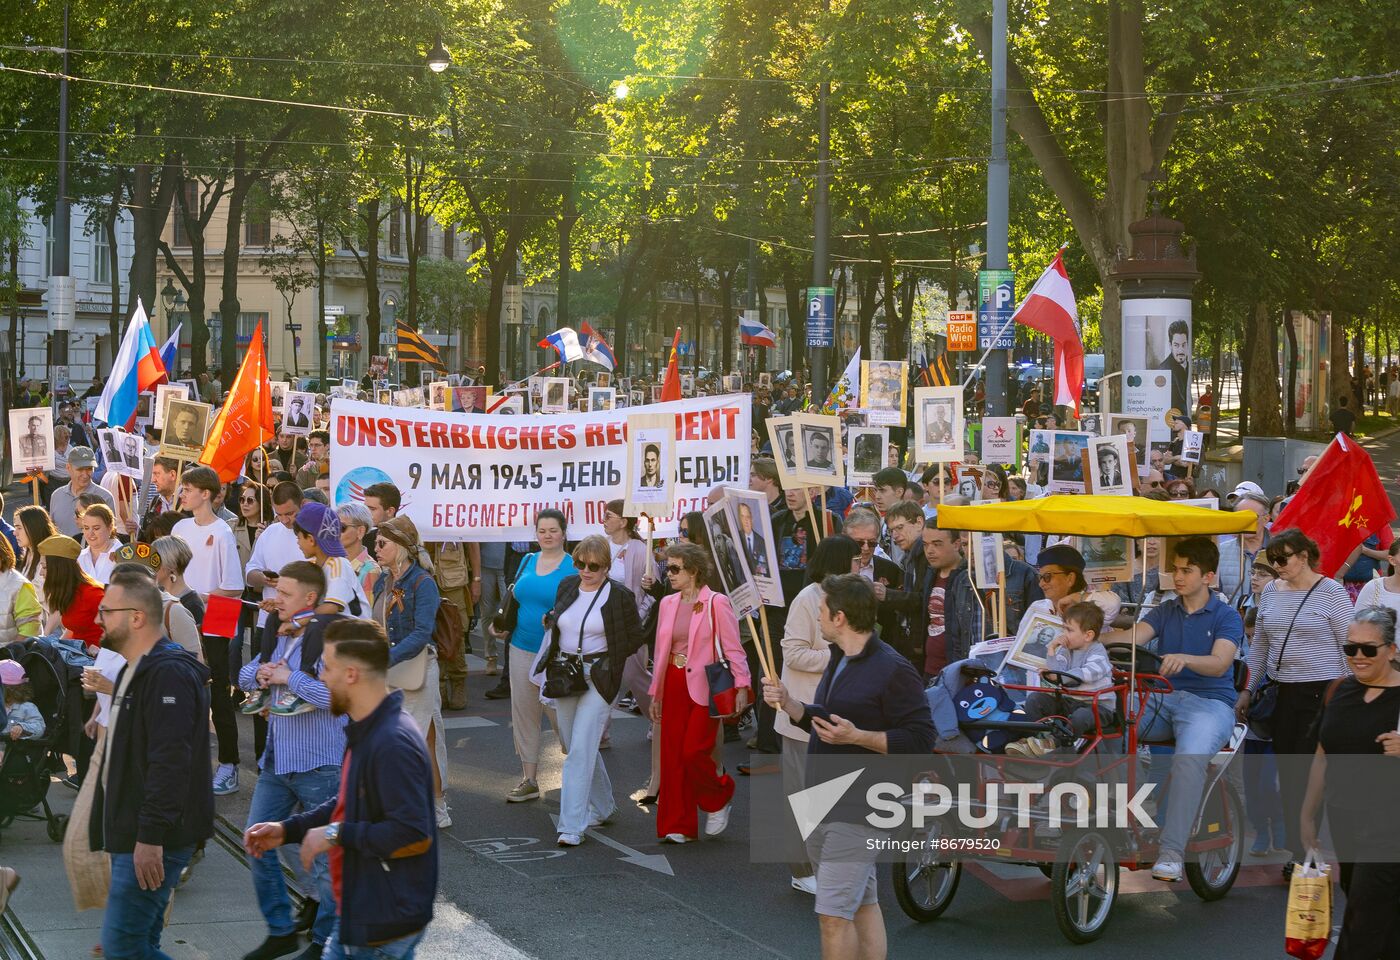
(675, 838)
(805, 885)
(716, 822)
(570, 840)
(1168, 870)
(444, 818)
(602, 821)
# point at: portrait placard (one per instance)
(31, 439)
(164, 392)
(187, 426)
(601, 398)
(782, 437)
(818, 449)
(753, 531)
(1110, 466)
(554, 394)
(297, 418)
(732, 567)
(651, 464)
(1067, 461)
(884, 391)
(938, 424)
(868, 452)
(1135, 429)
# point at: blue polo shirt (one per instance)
(1178, 631)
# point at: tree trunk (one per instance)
(1262, 390)
(373, 317)
(18, 352)
(567, 219)
(1290, 394)
(229, 307)
(726, 308)
(1358, 366)
(150, 202)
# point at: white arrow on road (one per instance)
(651, 861)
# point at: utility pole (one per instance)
(61, 284)
(998, 213)
(819, 300)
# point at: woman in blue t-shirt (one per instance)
(535, 587)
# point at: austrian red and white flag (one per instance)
(1050, 308)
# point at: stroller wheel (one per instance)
(5, 822)
(58, 826)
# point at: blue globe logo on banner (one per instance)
(353, 484)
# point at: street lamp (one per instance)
(438, 57)
(167, 296)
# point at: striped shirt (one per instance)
(1314, 650)
(310, 740)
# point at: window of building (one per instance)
(257, 218)
(395, 229)
(101, 258)
(449, 243)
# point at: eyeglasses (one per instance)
(103, 611)
(590, 566)
(1368, 650)
(1049, 575)
(247, 499)
(674, 569)
(1154, 484)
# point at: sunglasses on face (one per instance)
(673, 570)
(1281, 559)
(1050, 575)
(590, 566)
(1368, 650)
(247, 499)
(867, 544)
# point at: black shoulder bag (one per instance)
(1265, 701)
(563, 674)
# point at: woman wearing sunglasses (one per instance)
(593, 628)
(1357, 765)
(690, 623)
(1298, 636)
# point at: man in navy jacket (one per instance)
(380, 831)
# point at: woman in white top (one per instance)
(594, 629)
(1383, 591)
(99, 541)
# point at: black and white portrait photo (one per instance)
(279, 394)
(299, 413)
(1110, 466)
(650, 464)
(165, 392)
(884, 391)
(555, 395)
(938, 424)
(637, 397)
(1134, 430)
(186, 425)
(818, 449)
(687, 385)
(867, 455)
(730, 564)
(110, 451)
(601, 398)
(437, 395)
(989, 559)
(1067, 461)
(752, 523)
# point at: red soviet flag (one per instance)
(245, 421)
(1340, 503)
(671, 385)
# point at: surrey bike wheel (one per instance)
(1212, 871)
(1084, 886)
(924, 879)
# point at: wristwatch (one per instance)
(333, 833)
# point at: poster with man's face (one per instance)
(1110, 467)
(733, 382)
(753, 532)
(765, 380)
(186, 426)
(651, 464)
(1134, 429)
(989, 560)
(687, 385)
(555, 394)
(782, 438)
(1067, 461)
(1106, 559)
(867, 454)
(818, 449)
(437, 394)
(31, 439)
(279, 394)
(164, 393)
(1192, 442)
(637, 397)
(884, 386)
(938, 424)
(731, 566)
(300, 412)
(601, 398)
(123, 452)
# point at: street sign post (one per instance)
(821, 322)
(996, 299)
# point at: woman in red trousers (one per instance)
(689, 624)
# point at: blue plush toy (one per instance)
(985, 700)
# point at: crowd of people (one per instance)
(340, 663)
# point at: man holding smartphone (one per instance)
(275, 547)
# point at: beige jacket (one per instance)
(805, 655)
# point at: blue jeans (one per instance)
(134, 919)
(275, 797)
(1200, 726)
(400, 949)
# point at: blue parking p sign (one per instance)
(996, 302)
(821, 324)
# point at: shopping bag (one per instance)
(1309, 924)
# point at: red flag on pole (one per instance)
(671, 386)
(245, 421)
(1050, 308)
(1340, 504)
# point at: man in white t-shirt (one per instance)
(318, 531)
(275, 547)
(215, 570)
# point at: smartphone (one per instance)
(271, 574)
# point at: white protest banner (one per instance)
(483, 477)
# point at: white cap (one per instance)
(1248, 486)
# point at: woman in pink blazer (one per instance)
(686, 628)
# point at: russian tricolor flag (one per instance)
(752, 333)
(565, 341)
(136, 370)
(596, 348)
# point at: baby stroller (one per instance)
(27, 764)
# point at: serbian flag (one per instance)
(671, 386)
(136, 370)
(752, 333)
(245, 421)
(1050, 308)
(565, 341)
(1340, 504)
(595, 348)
